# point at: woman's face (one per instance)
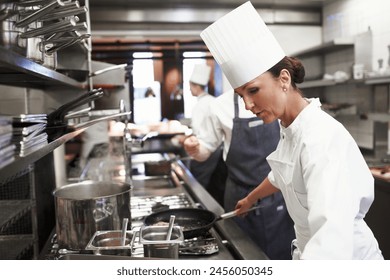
(264, 97)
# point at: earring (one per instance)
(284, 89)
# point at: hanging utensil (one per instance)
(39, 13)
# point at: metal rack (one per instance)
(18, 222)
(26, 211)
(19, 71)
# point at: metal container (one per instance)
(109, 243)
(157, 168)
(155, 244)
(86, 207)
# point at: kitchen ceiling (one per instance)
(139, 25)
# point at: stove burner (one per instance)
(143, 206)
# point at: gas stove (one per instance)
(141, 207)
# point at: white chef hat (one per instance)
(201, 74)
(242, 45)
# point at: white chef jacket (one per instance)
(200, 111)
(327, 186)
(218, 127)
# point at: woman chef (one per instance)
(317, 165)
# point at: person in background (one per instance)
(246, 142)
(177, 102)
(317, 166)
(205, 172)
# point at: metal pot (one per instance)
(86, 207)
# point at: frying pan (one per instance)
(194, 221)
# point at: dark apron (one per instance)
(252, 141)
(203, 170)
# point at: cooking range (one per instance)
(141, 207)
(153, 194)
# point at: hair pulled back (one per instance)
(294, 66)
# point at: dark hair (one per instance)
(292, 65)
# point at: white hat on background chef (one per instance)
(242, 45)
(201, 74)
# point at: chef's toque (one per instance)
(242, 45)
(200, 74)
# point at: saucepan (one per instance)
(194, 221)
(87, 207)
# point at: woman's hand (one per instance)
(243, 206)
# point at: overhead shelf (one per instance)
(378, 80)
(317, 83)
(328, 82)
(16, 70)
(379, 117)
(335, 45)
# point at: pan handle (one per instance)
(231, 214)
(57, 116)
(106, 118)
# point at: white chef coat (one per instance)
(218, 127)
(200, 111)
(327, 186)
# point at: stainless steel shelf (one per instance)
(378, 80)
(317, 83)
(335, 45)
(16, 70)
(327, 83)
(9, 171)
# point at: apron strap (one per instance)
(235, 105)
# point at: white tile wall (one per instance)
(351, 18)
(347, 18)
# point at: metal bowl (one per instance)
(109, 243)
